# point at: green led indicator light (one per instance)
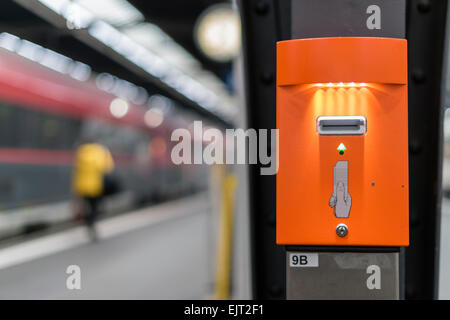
(341, 148)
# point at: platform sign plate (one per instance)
(342, 275)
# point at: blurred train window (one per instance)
(50, 132)
(7, 125)
(58, 132)
(28, 128)
(118, 138)
(6, 190)
(73, 127)
(34, 129)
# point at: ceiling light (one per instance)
(154, 117)
(118, 107)
(115, 12)
(218, 33)
(45, 57)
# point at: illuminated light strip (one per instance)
(143, 58)
(118, 12)
(76, 69)
(77, 17)
(341, 85)
(153, 64)
(45, 57)
(121, 88)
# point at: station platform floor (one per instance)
(158, 252)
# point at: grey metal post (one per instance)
(344, 272)
(267, 21)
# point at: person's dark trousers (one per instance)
(91, 214)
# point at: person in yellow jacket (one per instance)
(92, 162)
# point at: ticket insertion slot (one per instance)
(342, 125)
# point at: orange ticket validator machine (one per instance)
(342, 115)
(342, 183)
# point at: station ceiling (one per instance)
(175, 17)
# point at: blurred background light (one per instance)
(160, 102)
(154, 117)
(118, 107)
(218, 33)
(121, 88)
(158, 147)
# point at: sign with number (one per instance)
(342, 275)
(304, 260)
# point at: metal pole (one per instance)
(264, 23)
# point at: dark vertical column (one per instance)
(425, 33)
(264, 23)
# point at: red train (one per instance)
(43, 117)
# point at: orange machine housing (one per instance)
(348, 76)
